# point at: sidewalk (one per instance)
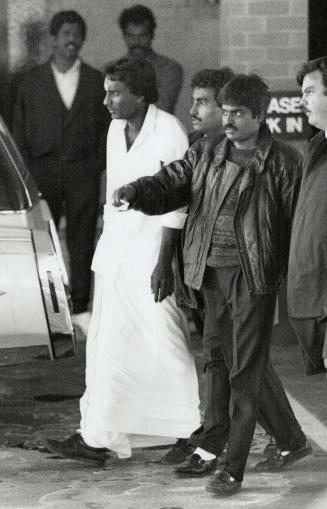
(40, 399)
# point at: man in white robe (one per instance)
(141, 383)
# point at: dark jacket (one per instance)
(48, 134)
(307, 284)
(307, 288)
(264, 211)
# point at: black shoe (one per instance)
(178, 453)
(281, 459)
(223, 484)
(221, 460)
(195, 466)
(75, 448)
(270, 449)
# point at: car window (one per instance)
(17, 190)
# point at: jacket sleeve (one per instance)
(167, 190)
(19, 123)
(290, 188)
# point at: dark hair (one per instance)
(137, 14)
(212, 78)
(62, 17)
(319, 64)
(138, 75)
(248, 90)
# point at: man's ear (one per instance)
(140, 99)
(261, 117)
(53, 41)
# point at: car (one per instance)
(34, 286)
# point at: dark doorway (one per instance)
(317, 28)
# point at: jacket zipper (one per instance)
(244, 255)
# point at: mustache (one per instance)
(137, 47)
(193, 117)
(230, 126)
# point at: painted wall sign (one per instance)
(285, 117)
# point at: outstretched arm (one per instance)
(167, 190)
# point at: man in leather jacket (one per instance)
(241, 194)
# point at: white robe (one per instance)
(141, 382)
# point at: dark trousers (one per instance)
(78, 200)
(311, 334)
(237, 336)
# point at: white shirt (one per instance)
(132, 235)
(67, 82)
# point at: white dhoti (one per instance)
(140, 376)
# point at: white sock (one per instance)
(205, 455)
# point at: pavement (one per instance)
(40, 398)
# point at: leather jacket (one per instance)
(264, 211)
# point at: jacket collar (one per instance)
(317, 146)
(260, 155)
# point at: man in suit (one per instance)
(60, 125)
(138, 24)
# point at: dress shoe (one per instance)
(178, 453)
(195, 466)
(270, 448)
(223, 484)
(75, 448)
(279, 459)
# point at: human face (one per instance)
(138, 39)
(205, 112)
(121, 103)
(314, 100)
(68, 42)
(240, 126)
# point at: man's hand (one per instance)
(162, 281)
(125, 195)
(162, 278)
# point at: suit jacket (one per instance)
(52, 137)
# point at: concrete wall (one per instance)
(269, 36)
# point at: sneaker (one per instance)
(223, 484)
(195, 466)
(82, 321)
(180, 451)
(281, 459)
(75, 448)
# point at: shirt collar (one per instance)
(149, 120)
